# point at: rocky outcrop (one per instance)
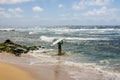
(16, 49)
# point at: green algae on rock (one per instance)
(16, 49)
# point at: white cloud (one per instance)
(101, 11)
(13, 1)
(37, 9)
(10, 13)
(4, 15)
(79, 5)
(100, 2)
(15, 10)
(60, 6)
(86, 3)
(18, 10)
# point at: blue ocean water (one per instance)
(98, 44)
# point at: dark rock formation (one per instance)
(16, 49)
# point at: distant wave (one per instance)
(65, 29)
(33, 32)
(50, 39)
(47, 39)
(7, 29)
(75, 38)
(76, 30)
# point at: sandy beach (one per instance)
(10, 72)
(31, 68)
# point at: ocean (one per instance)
(86, 44)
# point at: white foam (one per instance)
(7, 29)
(50, 39)
(111, 76)
(106, 75)
(76, 72)
(67, 30)
(60, 30)
(33, 32)
(40, 50)
(76, 30)
(75, 38)
(47, 39)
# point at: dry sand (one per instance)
(9, 72)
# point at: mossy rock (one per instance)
(19, 51)
(2, 47)
(33, 48)
(16, 49)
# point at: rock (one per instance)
(34, 47)
(16, 49)
(8, 41)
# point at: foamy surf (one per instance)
(50, 39)
(77, 70)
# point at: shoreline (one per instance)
(38, 72)
(42, 69)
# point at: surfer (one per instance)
(60, 48)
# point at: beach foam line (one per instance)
(43, 59)
(85, 68)
(105, 75)
(9, 72)
(57, 68)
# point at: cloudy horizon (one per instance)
(59, 12)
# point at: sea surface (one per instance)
(87, 44)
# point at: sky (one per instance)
(59, 12)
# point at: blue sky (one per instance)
(59, 12)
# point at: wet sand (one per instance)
(20, 68)
(43, 68)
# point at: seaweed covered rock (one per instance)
(16, 49)
(33, 47)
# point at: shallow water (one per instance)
(91, 44)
